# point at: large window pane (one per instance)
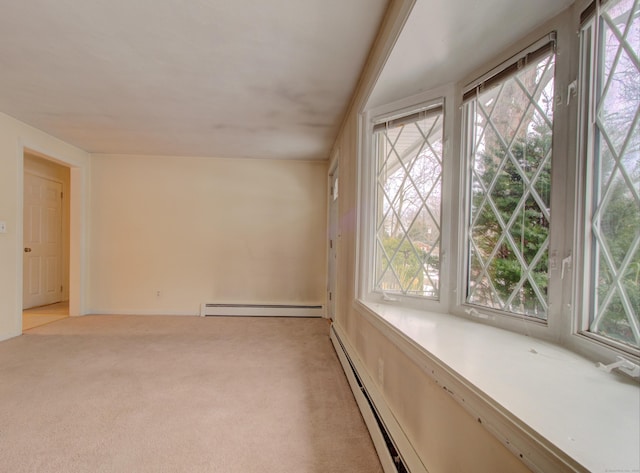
(615, 186)
(408, 194)
(510, 133)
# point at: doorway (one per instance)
(46, 241)
(333, 243)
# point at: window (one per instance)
(508, 146)
(611, 111)
(546, 223)
(408, 192)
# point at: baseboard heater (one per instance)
(261, 310)
(393, 447)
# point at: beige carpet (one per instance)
(178, 394)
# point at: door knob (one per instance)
(27, 250)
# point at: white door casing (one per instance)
(42, 281)
(333, 237)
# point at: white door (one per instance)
(42, 282)
(333, 255)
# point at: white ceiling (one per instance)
(172, 77)
(445, 40)
(230, 78)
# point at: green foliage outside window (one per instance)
(529, 228)
(407, 264)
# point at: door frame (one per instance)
(78, 185)
(333, 235)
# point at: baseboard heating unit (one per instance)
(262, 310)
(396, 453)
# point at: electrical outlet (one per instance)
(3, 227)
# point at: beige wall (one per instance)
(15, 137)
(205, 230)
(444, 435)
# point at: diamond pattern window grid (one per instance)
(408, 188)
(510, 186)
(615, 222)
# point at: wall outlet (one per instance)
(3, 227)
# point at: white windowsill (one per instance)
(556, 397)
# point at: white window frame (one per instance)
(563, 319)
(366, 199)
(551, 327)
(605, 347)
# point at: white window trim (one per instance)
(597, 345)
(552, 328)
(566, 248)
(562, 324)
(366, 191)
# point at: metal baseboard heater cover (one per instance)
(394, 449)
(261, 310)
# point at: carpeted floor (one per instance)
(178, 394)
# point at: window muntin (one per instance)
(611, 41)
(570, 290)
(408, 196)
(509, 144)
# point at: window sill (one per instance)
(536, 397)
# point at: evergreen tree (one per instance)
(528, 229)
